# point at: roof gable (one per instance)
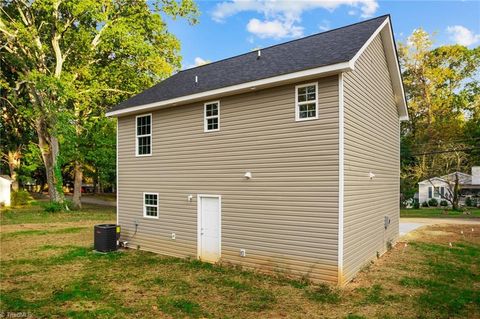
(463, 178)
(333, 51)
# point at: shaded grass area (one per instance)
(66, 278)
(106, 196)
(69, 230)
(35, 215)
(440, 213)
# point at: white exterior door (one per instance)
(209, 227)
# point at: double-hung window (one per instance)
(212, 116)
(144, 135)
(436, 192)
(150, 205)
(306, 105)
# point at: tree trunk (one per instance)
(97, 186)
(77, 185)
(13, 165)
(456, 191)
(49, 150)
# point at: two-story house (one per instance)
(284, 159)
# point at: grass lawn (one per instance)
(48, 269)
(36, 215)
(440, 212)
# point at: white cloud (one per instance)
(463, 36)
(273, 29)
(198, 61)
(281, 18)
(325, 26)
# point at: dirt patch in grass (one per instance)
(50, 270)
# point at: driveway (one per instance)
(410, 224)
(95, 201)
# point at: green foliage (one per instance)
(65, 63)
(20, 197)
(53, 207)
(442, 89)
(432, 202)
(443, 203)
(424, 204)
(470, 202)
(416, 204)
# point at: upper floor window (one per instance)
(144, 135)
(212, 116)
(306, 105)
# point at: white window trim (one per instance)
(297, 104)
(137, 136)
(205, 117)
(145, 205)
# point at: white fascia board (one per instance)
(427, 181)
(239, 88)
(385, 30)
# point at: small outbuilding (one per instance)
(5, 187)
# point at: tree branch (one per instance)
(106, 90)
(55, 39)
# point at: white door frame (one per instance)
(199, 223)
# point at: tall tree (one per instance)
(68, 55)
(440, 87)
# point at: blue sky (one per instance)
(228, 28)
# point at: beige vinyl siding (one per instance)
(285, 217)
(372, 138)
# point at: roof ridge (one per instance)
(278, 44)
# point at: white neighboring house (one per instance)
(5, 186)
(440, 187)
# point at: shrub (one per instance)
(416, 204)
(424, 204)
(53, 207)
(468, 202)
(443, 203)
(433, 202)
(20, 197)
(68, 204)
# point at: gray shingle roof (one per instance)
(331, 47)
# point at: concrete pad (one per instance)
(405, 228)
